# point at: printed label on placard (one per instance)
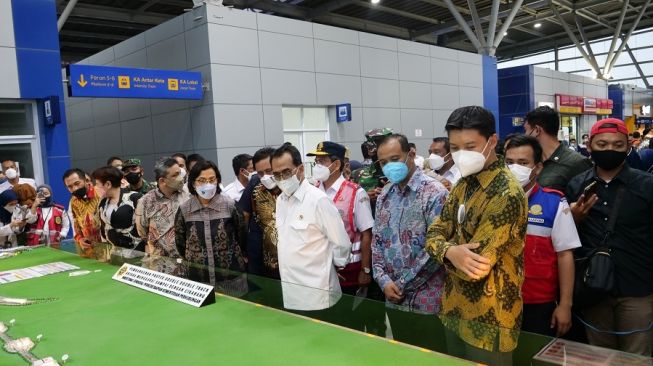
(176, 288)
(568, 353)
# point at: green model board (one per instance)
(99, 321)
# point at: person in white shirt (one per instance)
(12, 174)
(419, 159)
(313, 243)
(244, 170)
(353, 204)
(440, 164)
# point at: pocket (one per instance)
(301, 228)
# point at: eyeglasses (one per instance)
(284, 174)
(206, 181)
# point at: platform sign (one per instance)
(343, 112)
(124, 82)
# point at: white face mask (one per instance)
(249, 175)
(289, 186)
(206, 191)
(522, 173)
(321, 172)
(11, 173)
(436, 162)
(268, 182)
(469, 162)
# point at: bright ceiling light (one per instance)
(505, 33)
(537, 25)
(375, 1)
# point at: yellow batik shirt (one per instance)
(484, 313)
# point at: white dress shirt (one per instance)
(312, 243)
(452, 175)
(234, 190)
(363, 219)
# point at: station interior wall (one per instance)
(254, 64)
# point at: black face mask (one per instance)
(47, 202)
(80, 193)
(133, 178)
(608, 159)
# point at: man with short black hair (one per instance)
(560, 163)
(12, 173)
(479, 238)
(439, 167)
(244, 170)
(83, 211)
(626, 193)
(551, 238)
(155, 217)
(411, 281)
(313, 242)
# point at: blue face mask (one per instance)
(396, 171)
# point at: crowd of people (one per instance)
(480, 240)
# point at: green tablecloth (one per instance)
(99, 321)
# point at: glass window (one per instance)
(305, 127)
(16, 119)
(21, 153)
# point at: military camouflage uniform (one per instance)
(369, 177)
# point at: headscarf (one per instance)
(6, 197)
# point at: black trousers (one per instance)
(537, 318)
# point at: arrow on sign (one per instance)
(81, 81)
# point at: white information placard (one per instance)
(568, 353)
(176, 288)
(35, 271)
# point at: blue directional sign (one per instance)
(124, 82)
(343, 112)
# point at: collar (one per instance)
(159, 195)
(336, 185)
(623, 176)
(533, 190)
(90, 193)
(196, 205)
(487, 175)
(558, 153)
(413, 182)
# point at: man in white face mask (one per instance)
(440, 165)
(313, 242)
(479, 238)
(550, 240)
(353, 204)
(244, 171)
(11, 172)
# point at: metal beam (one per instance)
(573, 38)
(85, 45)
(147, 5)
(478, 28)
(65, 14)
(494, 16)
(328, 7)
(461, 21)
(505, 26)
(442, 4)
(529, 31)
(109, 13)
(95, 35)
(617, 34)
(586, 41)
(639, 69)
(627, 38)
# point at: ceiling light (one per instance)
(375, 1)
(537, 25)
(505, 33)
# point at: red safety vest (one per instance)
(55, 223)
(345, 201)
(540, 259)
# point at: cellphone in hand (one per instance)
(590, 190)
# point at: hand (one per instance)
(38, 201)
(392, 293)
(581, 208)
(364, 279)
(18, 224)
(470, 263)
(561, 319)
(86, 243)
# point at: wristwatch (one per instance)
(367, 270)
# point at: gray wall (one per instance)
(255, 63)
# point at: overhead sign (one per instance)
(343, 112)
(570, 104)
(123, 82)
(176, 288)
(589, 105)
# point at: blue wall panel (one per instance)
(490, 86)
(617, 95)
(516, 97)
(39, 74)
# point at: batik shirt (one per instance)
(212, 238)
(265, 206)
(485, 313)
(399, 237)
(86, 223)
(155, 220)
